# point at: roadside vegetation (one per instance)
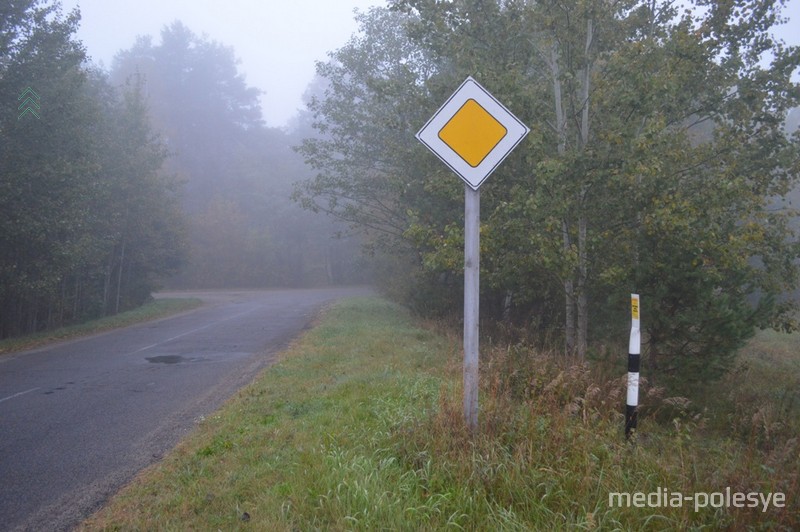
(157, 308)
(359, 427)
(661, 161)
(89, 223)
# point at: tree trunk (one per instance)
(507, 299)
(107, 282)
(582, 302)
(583, 254)
(119, 277)
(76, 300)
(561, 131)
(570, 332)
(329, 266)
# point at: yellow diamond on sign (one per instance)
(472, 133)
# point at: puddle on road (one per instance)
(208, 357)
(166, 359)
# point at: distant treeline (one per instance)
(88, 222)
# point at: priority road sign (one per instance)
(472, 133)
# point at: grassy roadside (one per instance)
(358, 427)
(302, 446)
(152, 310)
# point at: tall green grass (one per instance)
(359, 427)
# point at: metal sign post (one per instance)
(472, 133)
(472, 272)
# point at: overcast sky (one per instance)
(277, 41)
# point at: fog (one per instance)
(277, 42)
(243, 228)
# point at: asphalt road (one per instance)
(79, 419)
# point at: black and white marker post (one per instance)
(634, 356)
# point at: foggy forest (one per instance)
(158, 172)
(676, 177)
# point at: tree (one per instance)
(44, 163)
(136, 210)
(656, 144)
(369, 174)
(66, 176)
(199, 102)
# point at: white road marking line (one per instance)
(18, 394)
(193, 331)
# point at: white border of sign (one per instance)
(429, 134)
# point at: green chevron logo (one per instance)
(30, 103)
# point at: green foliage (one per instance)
(655, 164)
(87, 221)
